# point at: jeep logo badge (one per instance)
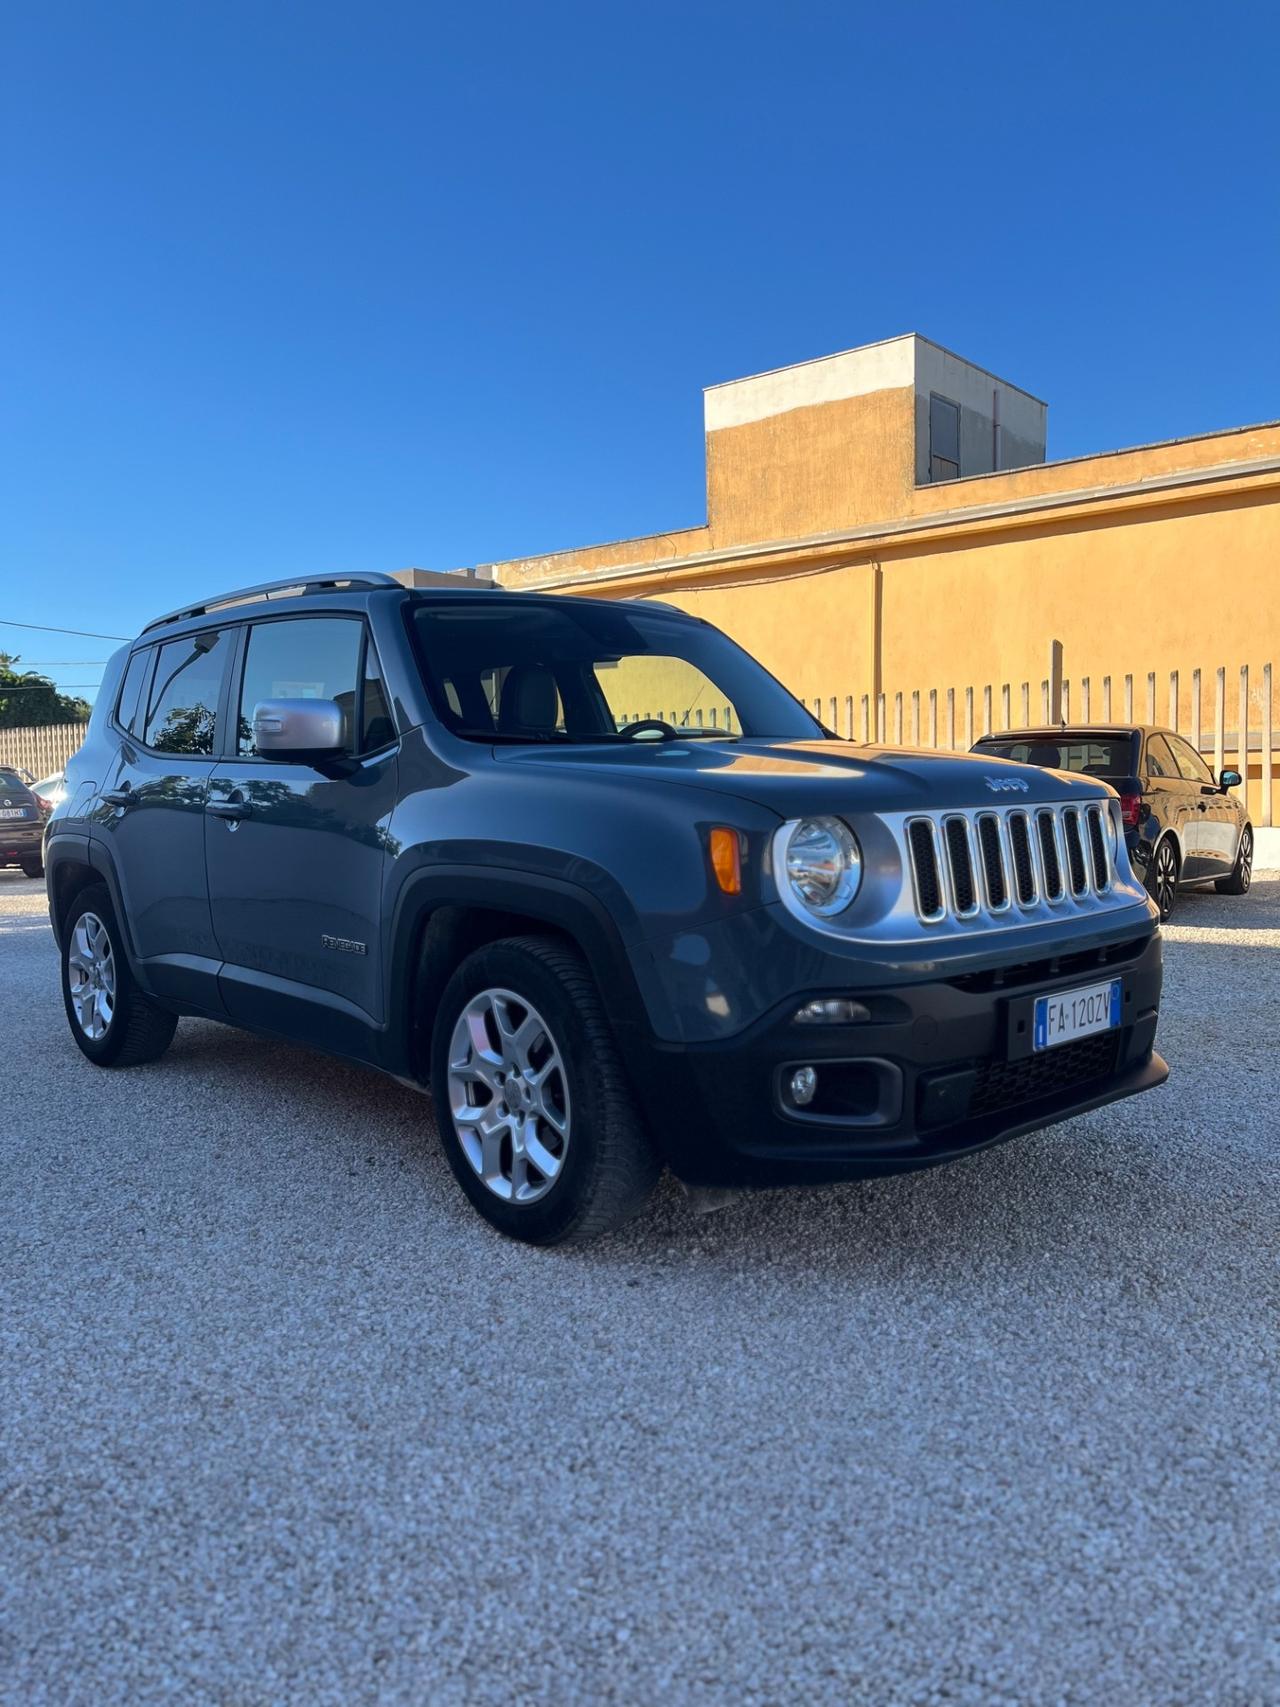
(1005, 784)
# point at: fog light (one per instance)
(833, 1010)
(804, 1086)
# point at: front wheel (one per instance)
(534, 1110)
(113, 1022)
(1242, 871)
(1162, 877)
(32, 868)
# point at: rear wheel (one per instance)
(534, 1111)
(1242, 872)
(1162, 876)
(32, 868)
(113, 1022)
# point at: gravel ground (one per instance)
(284, 1422)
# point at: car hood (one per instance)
(798, 777)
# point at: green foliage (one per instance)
(28, 700)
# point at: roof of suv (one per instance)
(448, 586)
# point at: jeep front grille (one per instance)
(965, 865)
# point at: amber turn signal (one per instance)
(726, 859)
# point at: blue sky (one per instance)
(308, 286)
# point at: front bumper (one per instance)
(941, 1069)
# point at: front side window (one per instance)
(1190, 764)
(301, 658)
(182, 712)
(567, 671)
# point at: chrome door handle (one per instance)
(233, 809)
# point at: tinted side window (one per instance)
(305, 657)
(1160, 759)
(127, 706)
(183, 712)
(1190, 764)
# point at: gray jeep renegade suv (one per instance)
(595, 876)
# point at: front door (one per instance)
(295, 882)
(151, 810)
(1220, 817)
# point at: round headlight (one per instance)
(823, 865)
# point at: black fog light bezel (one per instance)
(834, 1103)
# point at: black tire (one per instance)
(1241, 877)
(607, 1164)
(32, 868)
(1163, 874)
(138, 1029)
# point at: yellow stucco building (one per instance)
(883, 522)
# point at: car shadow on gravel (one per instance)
(1259, 910)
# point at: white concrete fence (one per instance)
(1196, 702)
(42, 750)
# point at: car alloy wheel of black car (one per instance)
(1163, 881)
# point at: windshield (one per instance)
(1106, 756)
(565, 671)
(12, 783)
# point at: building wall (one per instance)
(826, 556)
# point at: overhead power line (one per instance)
(46, 628)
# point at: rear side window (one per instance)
(301, 658)
(127, 706)
(183, 711)
(1160, 759)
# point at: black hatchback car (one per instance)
(21, 824)
(1181, 827)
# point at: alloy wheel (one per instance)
(91, 976)
(1246, 860)
(508, 1095)
(1166, 878)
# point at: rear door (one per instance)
(151, 808)
(1177, 806)
(296, 883)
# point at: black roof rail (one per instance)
(295, 584)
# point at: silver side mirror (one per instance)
(298, 728)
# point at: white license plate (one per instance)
(13, 811)
(1076, 1013)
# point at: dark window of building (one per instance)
(944, 438)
